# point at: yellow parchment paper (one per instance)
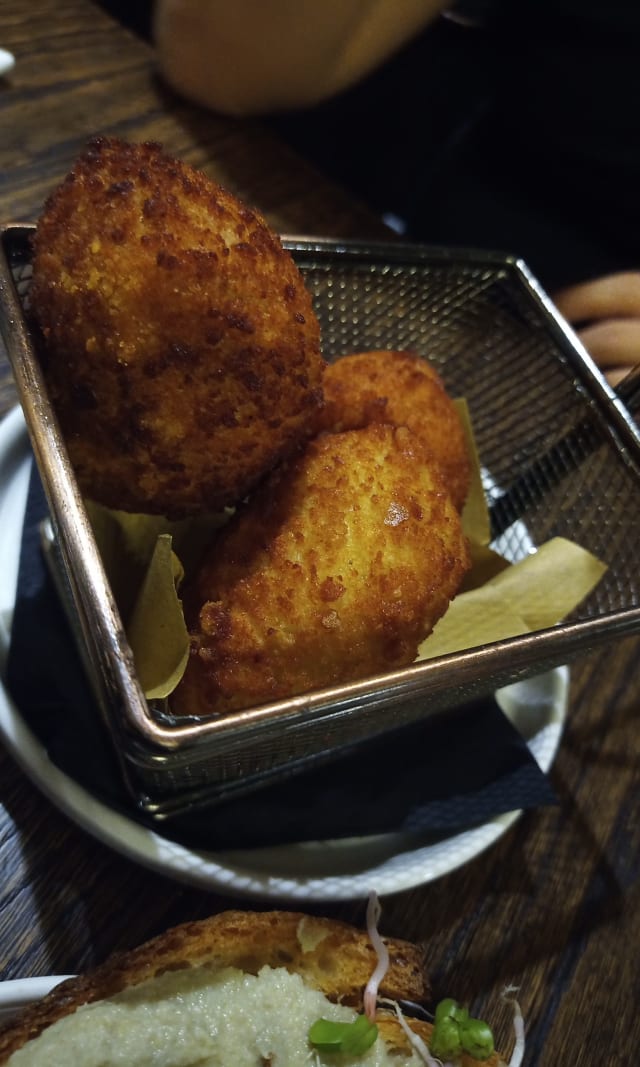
(146, 559)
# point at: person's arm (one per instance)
(606, 315)
(247, 57)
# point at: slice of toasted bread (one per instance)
(332, 957)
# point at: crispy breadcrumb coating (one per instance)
(181, 349)
(337, 568)
(403, 389)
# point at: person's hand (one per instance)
(255, 58)
(605, 314)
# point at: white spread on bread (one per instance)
(198, 1016)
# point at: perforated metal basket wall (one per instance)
(561, 456)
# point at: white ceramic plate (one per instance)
(318, 870)
(7, 62)
(24, 991)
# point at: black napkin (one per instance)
(442, 776)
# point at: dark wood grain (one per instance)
(554, 907)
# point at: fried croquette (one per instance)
(335, 569)
(403, 389)
(180, 346)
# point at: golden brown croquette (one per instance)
(336, 568)
(180, 346)
(403, 389)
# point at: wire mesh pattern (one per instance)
(560, 457)
(541, 440)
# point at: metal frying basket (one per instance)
(560, 453)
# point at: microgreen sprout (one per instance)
(382, 954)
(455, 1032)
(518, 1026)
(353, 1038)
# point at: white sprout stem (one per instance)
(518, 1027)
(371, 990)
(416, 1041)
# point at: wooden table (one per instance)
(554, 907)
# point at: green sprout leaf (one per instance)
(445, 1039)
(450, 1009)
(477, 1039)
(352, 1039)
